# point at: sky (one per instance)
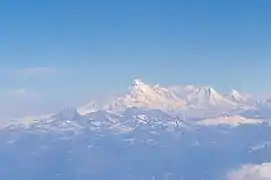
(58, 53)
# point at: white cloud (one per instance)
(232, 121)
(35, 71)
(23, 92)
(251, 172)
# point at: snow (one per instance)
(149, 105)
(235, 96)
(232, 121)
(206, 97)
(67, 114)
(171, 99)
(143, 117)
(140, 95)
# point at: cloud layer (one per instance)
(251, 172)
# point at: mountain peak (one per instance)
(150, 96)
(67, 113)
(235, 96)
(206, 97)
(139, 85)
(207, 90)
(141, 95)
(233, 91)
(137, 82)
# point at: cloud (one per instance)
(251, 172)
(23, 92)
(35, 71)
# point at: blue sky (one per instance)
(65, 51)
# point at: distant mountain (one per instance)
(151, 106)
(140, 95)
(137, 144)
(237, 97)
(206, 97)
(151, 132)
(260, 109)
(171, 99)
(67, 114)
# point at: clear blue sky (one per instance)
(65, 48)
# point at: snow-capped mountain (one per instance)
(66, 120)
(236, 97)
(140, 95)
(149, 126)
(171, 99)
(68, 114)
(150, 106)
(206, 97)
(130, 120)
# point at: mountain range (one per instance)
(153, 106)
(180, 98)
(150, 132)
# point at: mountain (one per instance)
(260, 109)
(193, 100)
(206, 97)
(140, 95)
(101, 144)
(66, 120)
(104, 138)
(236, 97)
(151, 107)
(67, 114)
(148, 106)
